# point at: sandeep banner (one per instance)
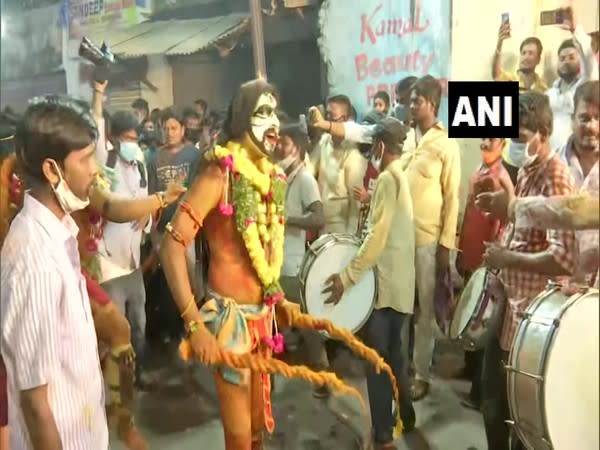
(370, 45)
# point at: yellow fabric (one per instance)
(433, 172)
(389, 243)
(538, 85)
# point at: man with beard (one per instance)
(581, 155)
(530, 56)
(576, 65)
(528, 258)
(238, 201)
(339, 168)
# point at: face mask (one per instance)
(517, 151)
(287, 162)
(401, 113)
(529, 159)
(376, 162)
(192, 134)
(68, 201)
(129, 151)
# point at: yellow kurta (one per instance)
(389, 243)
(433, 172)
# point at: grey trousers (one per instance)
(129, 295)
(314, 342)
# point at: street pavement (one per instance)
(181, 412)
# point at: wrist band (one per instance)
(192, 327)
(187, 308)
(161, 199)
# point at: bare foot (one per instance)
(133, 439)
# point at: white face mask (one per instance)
(376, 162)
(529, 159)
(517, 152)
(265, 123)
(68, 201)
(287, 162)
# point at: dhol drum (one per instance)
(479, 311)
(330, 254)
(553, 372)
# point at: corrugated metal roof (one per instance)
(171, 37)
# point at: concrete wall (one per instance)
(160, 74)
(474, 34)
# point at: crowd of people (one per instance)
(111, 223)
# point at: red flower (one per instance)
(273, 299)
(91, 245)
(269, 196)
(94, 217)
(236, 176)
(276, 343)
(249, 221)
(281, 220)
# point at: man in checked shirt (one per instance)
(528, 258)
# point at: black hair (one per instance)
(382, 95)
(155, 115)
(392, 133)
(343, 100)
(429, 88)
(535, 41)
(298, 137)
(588, 92)
(202, 102)
(535, 112)
(121, 122)
(568, 43)
(190, 115)
(142, 105)
(406, 83)
(172, 113)
(52, 127)
(241, 108)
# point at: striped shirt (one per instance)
(47, 334)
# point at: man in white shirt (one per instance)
(47, 338)
(339, 168)
(576, 64)
(304, 213)
(119, 250)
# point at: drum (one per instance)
(330, 254)
(553, 372)
(479, 311)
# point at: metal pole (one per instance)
(258, 41)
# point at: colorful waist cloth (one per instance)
(241, 329)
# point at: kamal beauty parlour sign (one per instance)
(370, 45)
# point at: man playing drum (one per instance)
(528, 258)
(389, 245)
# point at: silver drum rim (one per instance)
(320, 245)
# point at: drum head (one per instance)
(356, 304)
(469, 299)
(571, 388)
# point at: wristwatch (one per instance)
(161, 196)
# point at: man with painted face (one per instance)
(527, 258)
(390, 245)
(576, 65)
(237, 200)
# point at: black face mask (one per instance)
(192, 134)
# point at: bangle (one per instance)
(161, 199)
(330, 126)
(189, 305)
(192, 327)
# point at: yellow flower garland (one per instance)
(268, 229)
